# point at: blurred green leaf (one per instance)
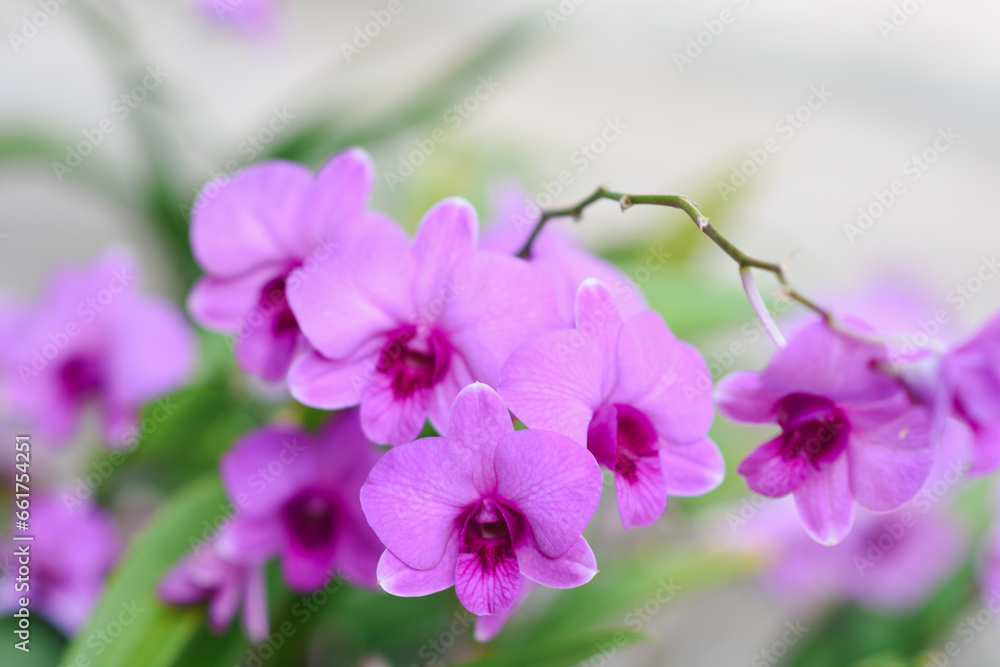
(45, 642)
(130, 626)
(849, 634)
(621, 590)
(562, 651)
(318, 141)
(30, 144)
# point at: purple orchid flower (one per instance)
(850, 433)
(70, 557)
(254, 17)
(298, 496)
(639, 399)
(970, 374)
(889, 563)
(205, 574)
(93, 339)
(989, 571)
(257, 234)
(411, 323)
(563, 263)
(481, 507)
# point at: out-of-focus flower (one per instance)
(400, 327)
(563, 263)
(298, 496)
(971, 374)
(93, 337)
(989, 573)
(205, 575)
(890, 562)
(481, 507)
(251, 16)
(269, 227)
(72, 552)
(849, 432)
(639, 399)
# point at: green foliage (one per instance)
(130, 625)
(563, 651)
(45, 642)
(850, 635)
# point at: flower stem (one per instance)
(753, 296)
(745, 262)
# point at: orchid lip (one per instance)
(311, 518)
(813, 428)
(414, 359)
(81, 377)
(634, 437)
(273, 299)
(488, 534)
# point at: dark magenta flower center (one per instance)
(81, 377)
(813, 428)
(414, 360)
(621, 444)
(487, 535)
(273, 300)
(311, 518)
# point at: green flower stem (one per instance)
(745, 262)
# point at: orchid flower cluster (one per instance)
(477, 385)
(474, 335)
(335, 300)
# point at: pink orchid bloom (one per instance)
(205, 575)
(639, 399)
(72, 552)
(298, 496)
(400, 327)
(93, 339)
(481, 507)
(850, 433)
(261, 231)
